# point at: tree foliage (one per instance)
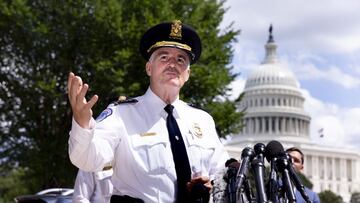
(304, 180)
(41, 41)
(355, 197)
(328, 196)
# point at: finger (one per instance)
(81, 96)
(70, 77)
(74, 89)
(92, 102)
(208, 185)
(200, 179)
(79, 87)
(205, 178)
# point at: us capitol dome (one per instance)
(274, 110)
(273, 103)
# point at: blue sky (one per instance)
(320, 42)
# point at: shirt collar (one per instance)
(156, 104)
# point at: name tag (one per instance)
(148, 134)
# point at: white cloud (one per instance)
(305, 69)
(340, 125)
(325, 26)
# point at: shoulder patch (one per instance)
(106, 113)
(124, 100)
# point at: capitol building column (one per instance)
(333, 178)
(270, 121)
(263, 124)
(256, 126)
(315, 172)
(343, 176)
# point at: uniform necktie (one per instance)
(182, 166)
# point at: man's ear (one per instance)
(188, 75)
(148, 68)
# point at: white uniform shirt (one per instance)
(134, 138)
(93, 187)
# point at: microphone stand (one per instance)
(283, 165)
(273, 182)
(258, 170)
(231, 186)
(247, 156)
(248, 191)
(299, 186)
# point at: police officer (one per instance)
(160, 147)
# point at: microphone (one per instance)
(233, 167)
(283, 165)
(259, 170)
(259, 149)
(247, 156)
(296, 180)
(272, 151)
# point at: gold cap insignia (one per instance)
(176, 29)
(197, 130)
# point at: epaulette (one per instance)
(124, 100)
(194, 106)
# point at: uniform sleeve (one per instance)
(84, 187)
(220, 154)
(91, 149)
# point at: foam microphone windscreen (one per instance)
(273, 149)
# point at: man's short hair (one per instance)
(292, 149)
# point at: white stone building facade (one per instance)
(274, 109)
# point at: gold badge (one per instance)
(176, 29)
(197, 130)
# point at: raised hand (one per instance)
(81, 108)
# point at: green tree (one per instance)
(329, 197)
(304, 180)
(10, 184)
(355, 197)
(41, 41)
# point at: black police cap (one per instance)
(171, 34)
